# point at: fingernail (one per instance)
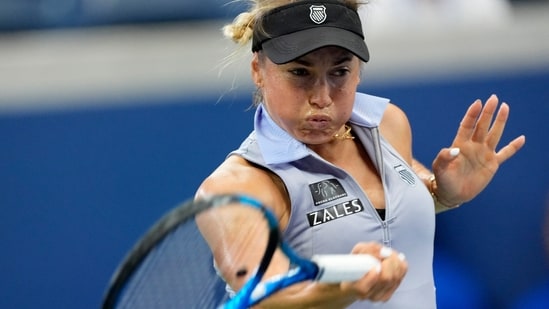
(385, 252)
(401, 256)
(454, 152)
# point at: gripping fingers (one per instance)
(393, 269)
(379, 285)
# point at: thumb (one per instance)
(452, 153)
(444, 157)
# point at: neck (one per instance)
(336, 150)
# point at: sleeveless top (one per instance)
(330, 213)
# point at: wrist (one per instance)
(433, 189)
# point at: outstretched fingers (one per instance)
(510, 149)
(494, 135)
(482, 127)
(490, 133)
(468, 123)
(477, 124)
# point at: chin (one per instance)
(317, 140)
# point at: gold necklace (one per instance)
(346, 135)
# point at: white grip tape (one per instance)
(335, 268)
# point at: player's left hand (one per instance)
(465, 169)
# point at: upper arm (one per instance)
(238, 176)
(231, 232)
(396, 129)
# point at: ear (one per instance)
(256, 71)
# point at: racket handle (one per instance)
(335, 268)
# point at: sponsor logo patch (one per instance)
(318, 13)
(335, 212)
(326, 191)
(405, 174)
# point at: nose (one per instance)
(320, 93)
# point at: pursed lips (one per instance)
(318, 122)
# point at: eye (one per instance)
(299, 72)
(341, 71)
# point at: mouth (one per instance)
(318, 122)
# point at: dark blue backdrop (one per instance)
(78, 188)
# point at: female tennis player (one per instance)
(336, 166)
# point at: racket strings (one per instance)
(178, 273)
(172, 266)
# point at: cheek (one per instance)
(273, 88)
(344, 92)
(279, 92)
(345, 96)
(351, 84)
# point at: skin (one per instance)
(312, 99)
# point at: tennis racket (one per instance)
(172, 265)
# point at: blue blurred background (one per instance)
(113, 111)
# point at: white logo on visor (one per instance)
(318, 13)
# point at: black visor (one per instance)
(293, 30)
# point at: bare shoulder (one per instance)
(234, 175)
(396, 129)
(394, 115)
(238, 176)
